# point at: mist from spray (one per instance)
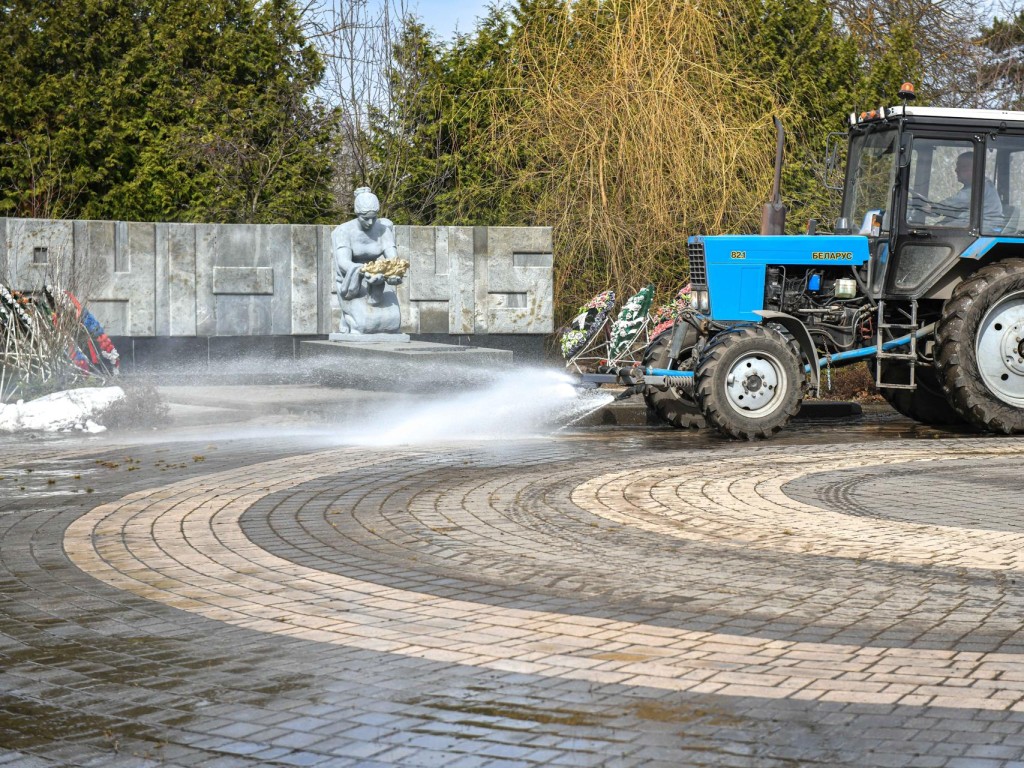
(516, 404)
(324, 404)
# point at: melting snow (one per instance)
(60, 411)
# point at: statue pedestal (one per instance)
(369, 338)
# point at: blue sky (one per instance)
(444, 15)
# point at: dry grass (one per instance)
(642, 135)
(851, 383)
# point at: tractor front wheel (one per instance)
(670, 405)
(749, 382)
(980, 347)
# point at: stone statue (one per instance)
(369, 304)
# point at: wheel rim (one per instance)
(1000, 349)
(756, 384)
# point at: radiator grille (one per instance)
(698, 266)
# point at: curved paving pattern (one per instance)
(564, 601)
(973, 494)
(183, 545)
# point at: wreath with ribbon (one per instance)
(667, 314)
(587, 324)
(630, 322)
(92, 351)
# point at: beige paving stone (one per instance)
(182, 545)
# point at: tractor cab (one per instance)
(930, 187)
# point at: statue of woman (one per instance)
(369, 303)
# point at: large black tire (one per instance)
(749, 382)
(670, 406)
(980, 347)
(927, 403)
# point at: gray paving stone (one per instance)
(509, 532)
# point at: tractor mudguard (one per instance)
(803, 337)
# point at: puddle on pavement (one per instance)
(27, 725)
(861, 429)
(515, 716)
(509, 716)
(661, 712)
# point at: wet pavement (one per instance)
(245, 588)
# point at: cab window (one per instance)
(941, 189)
(1004, 172)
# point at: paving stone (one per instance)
(286, 602)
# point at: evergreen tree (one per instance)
(179, 111)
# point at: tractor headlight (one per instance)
(701, 301)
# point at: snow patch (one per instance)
(60, 411)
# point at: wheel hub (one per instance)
(1000, 349)
(752, 383)
(1010, 347)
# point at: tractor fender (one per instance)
(803, 337)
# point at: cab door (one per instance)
(939, 209)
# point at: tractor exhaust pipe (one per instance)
(773, 215)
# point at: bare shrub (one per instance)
(44, 344)
(41, 340)
(853, 383)
(629, 109)
(357, 40)
(141, 408)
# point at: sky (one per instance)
(445, 15)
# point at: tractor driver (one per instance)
(956, 209)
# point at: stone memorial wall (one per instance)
(209, 280)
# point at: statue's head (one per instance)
(367, 207)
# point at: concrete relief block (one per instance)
(243, 280)
(99, 251)
(113, 316)
(115, 266)
(481, 280)
(39, 251)
(243, 315)
(180, 280)
(275, 253)
(303, 269)
(328, 310)
(410, 309)
(137, 281)
(206, 258)
(432, 316)
(240, 246)
(520, 297)
(5, 273)
(427, 251)
(462, 280)
(428, 281)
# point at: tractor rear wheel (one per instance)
(670, 405)
(927, 403)
(749, 382)
(980, 347)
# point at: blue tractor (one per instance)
(923, 278)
